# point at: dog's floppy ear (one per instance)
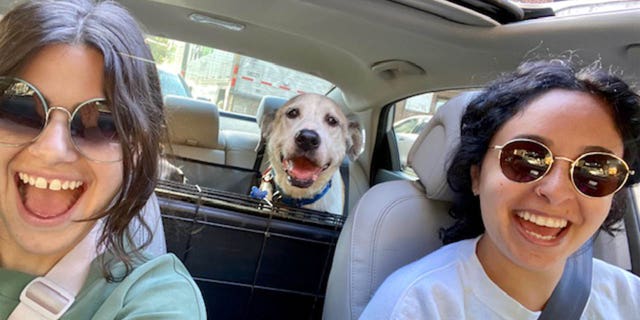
(266, 122)
(355, 141)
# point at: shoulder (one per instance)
(605, 274)
(431, 281)
(613, 291)
(162, 286)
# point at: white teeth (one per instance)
(54, 184)
(539, 236)
(542, 221)
(41, 183)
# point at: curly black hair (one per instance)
(510, 94)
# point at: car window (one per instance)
(234, 82)
(173, 83)
(411, 117)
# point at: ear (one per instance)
(266, 123)
(355, 142)
(475, 179)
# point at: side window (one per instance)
(411, 117)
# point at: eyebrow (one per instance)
(549, 144)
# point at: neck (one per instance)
(531, 288)
(34, 264)
(299, 202)
(15, 257)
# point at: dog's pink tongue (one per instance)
(304, 169)
(47, 203)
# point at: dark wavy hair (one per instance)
(131, 85)
(509, 95)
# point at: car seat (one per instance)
(396, 222)
(151, 215)
(193, 127)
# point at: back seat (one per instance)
(193, 127)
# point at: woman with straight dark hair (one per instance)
(81, 124)
(542, 153)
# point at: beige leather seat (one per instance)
(395, 222)
(150, 213)
(193, 129)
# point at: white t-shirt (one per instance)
(450, 283)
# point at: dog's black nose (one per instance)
(307, 139)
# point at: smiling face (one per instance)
(307, 141)
(38, 225)
(536, 226)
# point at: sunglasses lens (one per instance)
(599, 175)
(22, 114)
(93, 131)
(524, 161)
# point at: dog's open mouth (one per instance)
(48, 199)
(301, 171)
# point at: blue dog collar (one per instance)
(299, 202)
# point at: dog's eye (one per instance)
(332, 121)
(293, 113)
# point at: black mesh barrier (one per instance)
(250, 259)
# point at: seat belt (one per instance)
(344, 172)
(570, 295)
(260, 148)
(50, 296)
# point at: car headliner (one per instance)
(341, 40)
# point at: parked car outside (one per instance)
(173, 83)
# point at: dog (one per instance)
(306, 141)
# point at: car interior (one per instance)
(380, 60)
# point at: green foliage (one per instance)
(162, 49)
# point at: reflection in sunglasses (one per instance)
(594, 174)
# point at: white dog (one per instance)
(307, 139)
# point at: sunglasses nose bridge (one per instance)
(63, 109)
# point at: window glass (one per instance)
(411, 117)
(235, 83)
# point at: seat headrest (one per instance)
(432, 151)
(267, 105)
(192, 122)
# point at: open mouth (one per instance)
(48, 199)
(301, 171)
(541, 228)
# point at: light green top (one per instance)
(160, 288)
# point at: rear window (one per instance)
(234, 82)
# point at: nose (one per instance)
(54, 144)
(556, 186)
(307, 140)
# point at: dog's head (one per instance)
(307, 139)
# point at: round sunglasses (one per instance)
(24, 113)
(593, 174)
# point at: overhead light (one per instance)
(201, 18)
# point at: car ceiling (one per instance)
(340, 40)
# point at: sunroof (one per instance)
(580, 7)
(499, 12)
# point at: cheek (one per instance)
(109, 178)
(595, 211)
